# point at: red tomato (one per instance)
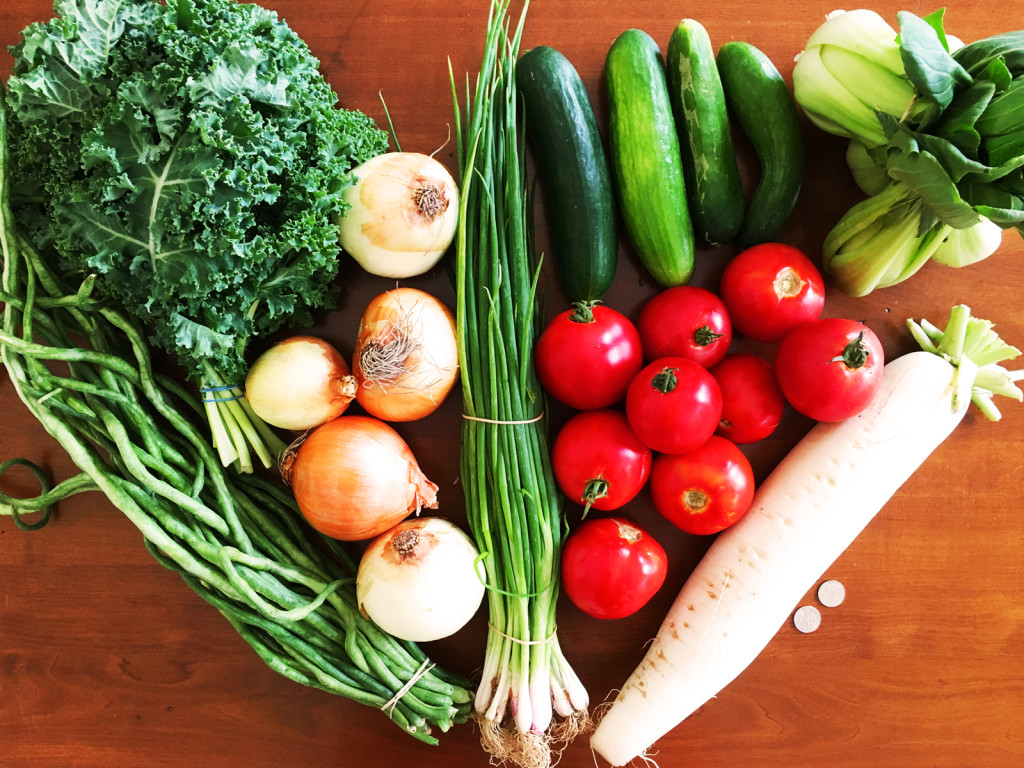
(611, 567)
(598, 461)
(685, 321)
(830, 369)
(587, 356)
(705, 490)
(771, 288)
(673, 405)
(752, 400)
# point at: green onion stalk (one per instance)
(934, 141)
(529, 698)
(85, 371)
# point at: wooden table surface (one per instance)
(107, 659)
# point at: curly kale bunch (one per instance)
(193, 157)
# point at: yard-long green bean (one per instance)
(85, 371)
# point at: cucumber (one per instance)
(760, 102)
(572, 166)
(713, 184)
(646, 162)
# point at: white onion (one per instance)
(299, 383)
(420, 580)
(402, 215)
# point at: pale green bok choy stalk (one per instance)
(849, 71)
(935, 142)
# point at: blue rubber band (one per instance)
(225, 388)
(222, 399)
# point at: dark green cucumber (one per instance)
(563, 134)
(646, 160)
(761, 104)
(713, 183)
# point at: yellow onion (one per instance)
(406, 356)
(354, 477)
(421, 580)
(402, 213)
(300, 383)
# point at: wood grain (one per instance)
(107, 660)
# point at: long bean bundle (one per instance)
(513, 506)
(86, 373)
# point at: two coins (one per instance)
(807, 618)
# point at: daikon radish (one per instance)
(804, 515)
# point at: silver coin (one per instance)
(831, 593)
(807, 618)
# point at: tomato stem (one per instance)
(705, 336)
(665, 380)
(855, 354)
(582, 311)
(596, 488)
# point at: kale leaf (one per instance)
(193, 156)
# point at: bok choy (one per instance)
(937, 141)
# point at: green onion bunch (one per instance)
(528, 696)
(84, 369)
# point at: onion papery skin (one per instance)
(300, 383)
(421, 580)
(402, 216)
(355, 477)
(406, 358)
